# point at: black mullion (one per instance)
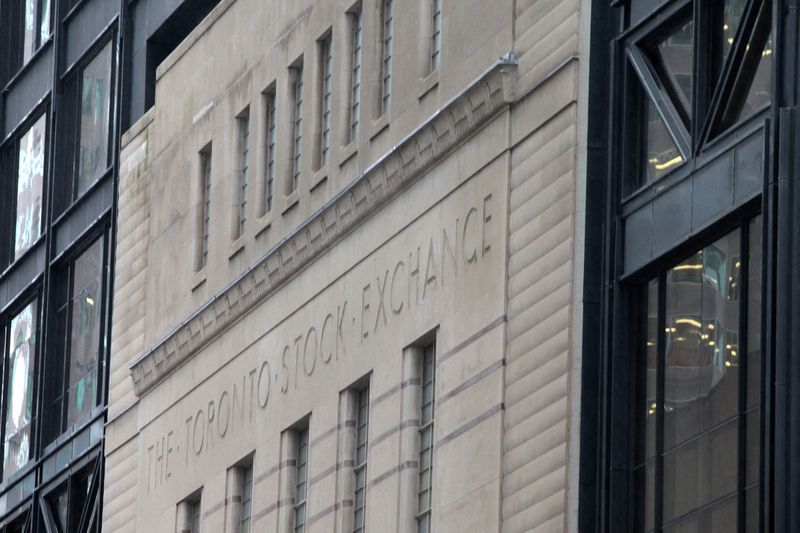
(666, 108)
(730, 72)
(658, 508)
(100, 386)
(741, 474)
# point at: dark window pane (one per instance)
(646, 489)
(95, 103)
(30, 178)
(754, 315)
(86, 303)
(719, 346)
(700, 471)
(677, 55)
(19, 396)
(682, 367)
(752, 516)
(647, 385)
(732, 11)
(759, 93)
(59, 503)
(661, 154)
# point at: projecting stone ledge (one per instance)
(462, 117)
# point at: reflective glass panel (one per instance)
(29, 32)
(95, 103)
(661, 154)
(30, 178)
(677, 54)
(732, 11)
(86, 304)
(19, 395)
(759, 93)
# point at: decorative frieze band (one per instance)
(417, 153)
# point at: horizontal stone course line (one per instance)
(392, 391)
(392, 471)
(332, 431)
(273, 469)
(269, 509)
(469, 425)
(405, 163)
(328, 510)
(389, 432)
(348, 463)
(477, 378)
(469, 340)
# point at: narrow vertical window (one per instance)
(297, 124)
(327, 74)
(188, 514)
(195, 517)
(205, 202)
(388, 30)
(301, 487)
(436, 36)
(270, 166)
(18, 401)
(247, 499)
(355, 75)
(30, 179)
(95, 106)
(426, 440)
(244, 138)
(37, 27)
(360, 471)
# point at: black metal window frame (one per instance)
(9, 163)
(78, 517)
(65, 268)
(704, 142)
(31, 296)
(711, 124)
(70, 126)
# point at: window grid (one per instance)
(386, 88)
(327, 74)
(436, 36)
(244, 135)
(247, 500)
(205, 158)
(301, 491)
(298, 125)
(355, 82)
(360, 471)
(425, 488)
(270, 167)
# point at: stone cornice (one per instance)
(405, 163)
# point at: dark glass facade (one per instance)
(690, 398)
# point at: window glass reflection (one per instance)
(661, 154)
(759, 93)
(677, 55)
(86, 307)
(30, 178)
(94, 132)
(731, 15)
(711, 389)
(19, 395)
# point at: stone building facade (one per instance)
(349, 272)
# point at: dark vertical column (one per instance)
(782, 204)
(591, 365)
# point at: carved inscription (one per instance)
(411, 280)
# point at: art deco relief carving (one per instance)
(408, 161)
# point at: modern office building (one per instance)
(70, 79)
(691, 398)
(350, 274)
